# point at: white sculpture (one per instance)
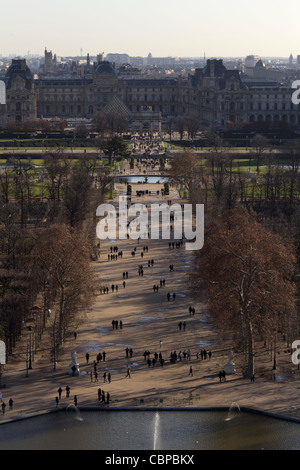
(230, 366)
(74, 366)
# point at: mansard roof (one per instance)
(18, 68)
(214, 68)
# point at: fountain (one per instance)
(156, 426)
(231, 415)
(74, 408)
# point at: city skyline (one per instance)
(161, 28)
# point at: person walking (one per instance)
(59, 393)
(191, 371)
(128, 372)
(11, 402)
(75, 400)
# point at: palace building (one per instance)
(213, 94)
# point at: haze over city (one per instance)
(137, 27)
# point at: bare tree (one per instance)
(246, 273)
(64, 255)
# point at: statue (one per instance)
(74, 366)
(230, 369)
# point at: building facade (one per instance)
(213, 94)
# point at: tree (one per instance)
(193, 125)
(99, 122)
(180, 125)
(246, 273)
(57, 169)
(114, 147)
(62, 258)
(81, 131)
(186, 171)
(260, 143)
(76, 197)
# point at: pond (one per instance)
(139, 179)
(176, 430)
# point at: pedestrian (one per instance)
(11, 402)
(109, 378)
(96, 376)
(191, 371)
(56, 401)
(107, 397)
(87, 357)
(104, 377)
(75, 400)
(220, 376)
(75, 335)
(128, 373)
(67, 391)
(99, 393)
(252, 378)
(59, 392)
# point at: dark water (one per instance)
(150, 430)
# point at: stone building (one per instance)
(213, 93)
(21, 96)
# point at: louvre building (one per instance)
(213, 93)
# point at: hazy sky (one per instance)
(182, 28)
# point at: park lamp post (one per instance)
(29, 351)
(275, 338)
(30, 347)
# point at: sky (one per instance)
(183, 28)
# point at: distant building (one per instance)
(21, 96)
(214, 94)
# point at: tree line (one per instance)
(248, 268)
(47, 244)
